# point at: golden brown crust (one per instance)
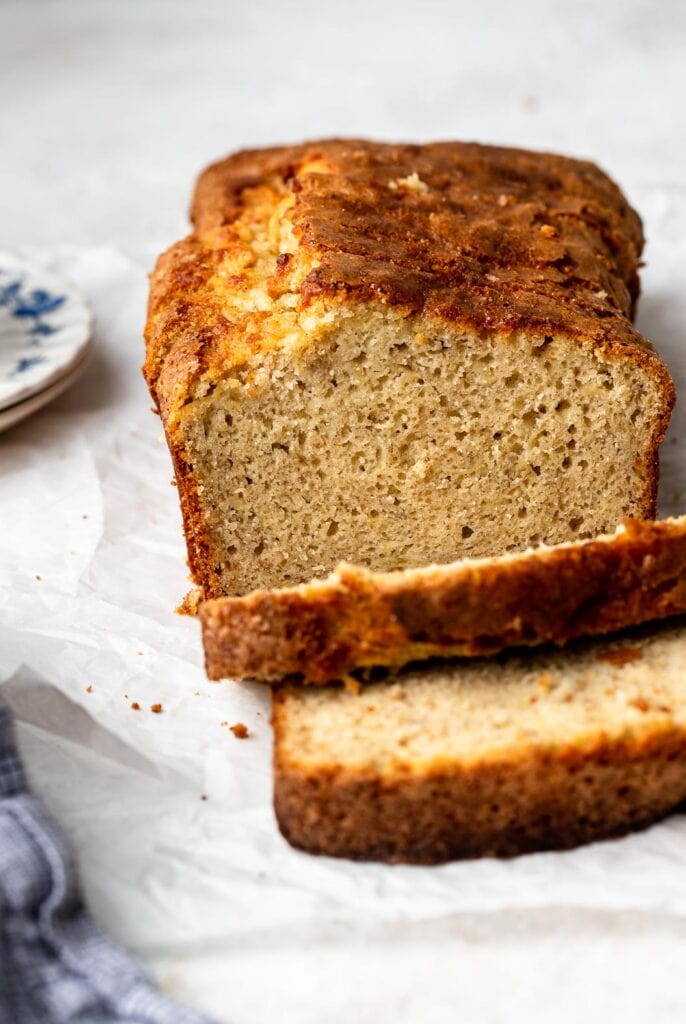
(537, 801)
(492, 240)
(201, 563)
(357, 618)
(474, 216)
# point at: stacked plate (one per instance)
(45, 337)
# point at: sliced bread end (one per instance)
(489, 757)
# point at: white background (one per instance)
(107, 112)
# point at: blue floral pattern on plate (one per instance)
(44, 329)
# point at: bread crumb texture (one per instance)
(395, 376)
(493, 756)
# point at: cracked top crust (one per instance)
(490, 239)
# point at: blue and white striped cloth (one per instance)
(56, 966)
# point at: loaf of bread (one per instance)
(487, 757)
(325, 629)
(398, 355)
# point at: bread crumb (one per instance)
(412, 183)
(89, 689)
(190, 603)
(623, 656)
(548, 231)
(135, 706)
(38, 577)
(84, 517)
(352, 685)
(240, 731)
(156, 709)
(203, 796)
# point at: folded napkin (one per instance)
(56, 966)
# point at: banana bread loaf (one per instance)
(489, 756)
(399, 355)
(323, 630)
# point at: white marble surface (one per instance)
(108, 110)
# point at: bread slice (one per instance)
(398, 355)
(324, 630)
(487, 757)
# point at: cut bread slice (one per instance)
(324, 630)
(487, 757)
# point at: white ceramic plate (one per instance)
(45, 328)
(16, 413)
